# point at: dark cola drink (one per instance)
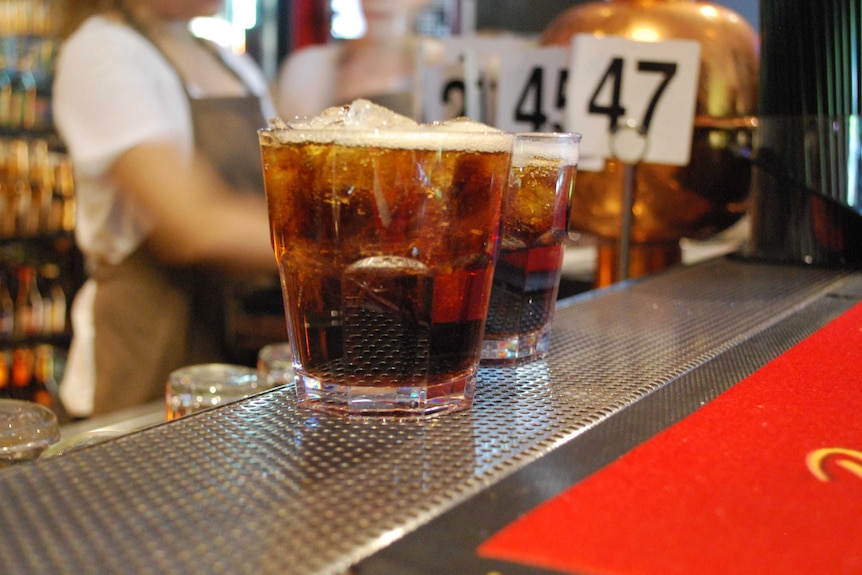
(385, 242)
(527, 275)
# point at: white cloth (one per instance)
(114, 90)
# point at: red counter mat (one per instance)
(766, 478)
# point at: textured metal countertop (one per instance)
(262, 487)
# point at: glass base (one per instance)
(453, 394)
(517, 349)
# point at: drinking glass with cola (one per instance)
(385, 233)
(529, 265)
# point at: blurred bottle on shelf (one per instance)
(65, 185)
(28, 46)
(33, 306)
(23, 110)
(53, 300)
(42, 185)
(28, 17)
(31, 202)
(8, 214)
(6, 77)
(37, 192)
(43, 385)
(28, 305)
(38, 267)
(32, 324)
(29, 373)
(19, 174)
(5, 371)
(23, 365)
(7, 310)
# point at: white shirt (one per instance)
(114, 90)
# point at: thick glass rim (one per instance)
(420, 137)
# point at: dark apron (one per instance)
(151, 319)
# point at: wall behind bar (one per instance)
(532, 17)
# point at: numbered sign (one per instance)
(531, 89)
(442, 92)
(462, 81)
(631, 100)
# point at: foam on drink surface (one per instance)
(536, 149)
(363, 123)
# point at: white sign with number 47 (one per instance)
(634, 101)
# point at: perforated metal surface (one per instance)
(262, 487)
(448, 543)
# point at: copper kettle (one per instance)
(671, 202)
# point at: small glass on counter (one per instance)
(26, 430)
(197, 387)
(527, 275)
(275, 364)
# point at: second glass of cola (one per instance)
(527, 276)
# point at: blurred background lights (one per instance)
(228, 28)
(347, 19)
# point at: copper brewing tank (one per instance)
(672, 202)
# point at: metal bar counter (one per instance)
(261, 487)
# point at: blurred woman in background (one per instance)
(379, 66)
(161, 128)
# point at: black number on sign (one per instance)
(532, 91)
(614, 109)
(668, 69)
(455, 86)
(561, 95)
